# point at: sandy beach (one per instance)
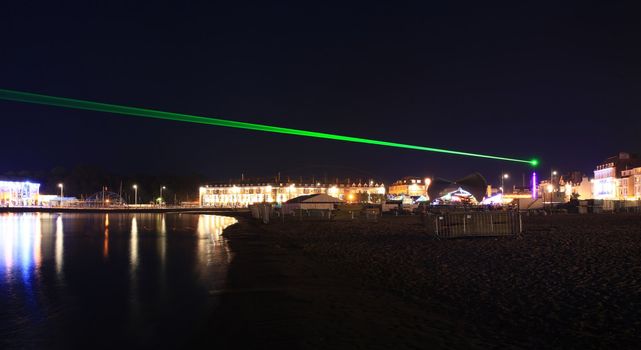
(569, 281)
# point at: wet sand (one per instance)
(570, 281)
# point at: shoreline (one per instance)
(197, 210)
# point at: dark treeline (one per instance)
(85, 180)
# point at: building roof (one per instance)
(622, 161)
(315, 198)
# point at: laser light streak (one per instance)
(27, 97)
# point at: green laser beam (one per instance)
(19, 96)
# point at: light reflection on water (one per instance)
(143, 276)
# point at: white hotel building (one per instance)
(19, 193)
(241, 195)
(618, 178)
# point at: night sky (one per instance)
(560, 82)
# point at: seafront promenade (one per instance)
(123, 209)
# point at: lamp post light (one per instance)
(550, 189)
(62, 191)
(135, 187)
(161, 188)
(504, 177)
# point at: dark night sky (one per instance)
(561, 82)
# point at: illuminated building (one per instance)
(630, 184)
(410, 186)
(583, 188)
(242, 194)
(18, 193)
(561, 189)
(607, 182)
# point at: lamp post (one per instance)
(135, 187)
(550, 189)
(161, 188)
(504, 177)
(62, 191)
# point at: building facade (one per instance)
(605, 182)
(583, 189)
(609, 181)
(241, 195)
(630, 184)
(410, 186)
(19, 193)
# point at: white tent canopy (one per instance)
(315, 198)
(319, 201)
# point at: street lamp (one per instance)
(504, 177)
(135, 187)
(550, 189)
(62, 191)
(552, 175)
(161, 188)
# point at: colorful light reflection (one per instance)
(20, 246)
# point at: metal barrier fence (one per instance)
(477, 224)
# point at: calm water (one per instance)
(73, 280)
